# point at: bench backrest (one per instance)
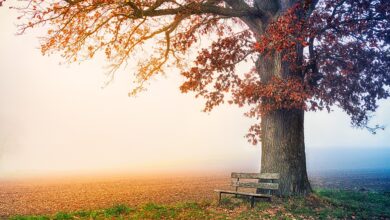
(267, 181)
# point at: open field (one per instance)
(49, 196)
(323, 204)
(362, 180)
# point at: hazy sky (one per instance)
(58, 118)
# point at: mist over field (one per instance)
(323, 159)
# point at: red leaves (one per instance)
(276, 94)
(254, 134)
(285, 34)
(214, 73)
(194, 77)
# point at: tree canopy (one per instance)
(338, 50)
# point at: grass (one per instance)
(323, 204)
(363, 204)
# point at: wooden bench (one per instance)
(266, 181)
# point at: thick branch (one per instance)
(270, 6)
(255, 21)
(192, 8)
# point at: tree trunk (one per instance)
(283, 150)
(282, 135)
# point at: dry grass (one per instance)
(48, 196)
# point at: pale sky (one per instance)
(57, 118)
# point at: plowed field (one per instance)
(47, 196)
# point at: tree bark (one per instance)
(283, 150)
(282, 134)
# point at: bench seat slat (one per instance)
(243, 193)
(267, 176)
(271, 186)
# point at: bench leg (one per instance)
(219, 200)
(252, 201)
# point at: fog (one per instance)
(57, 119)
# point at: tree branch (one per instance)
(208, 7)
(255, 21)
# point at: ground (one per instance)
(176, 197)
(323, 204)
(50, 195)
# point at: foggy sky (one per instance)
(57, 119)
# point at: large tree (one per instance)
(306, 55)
